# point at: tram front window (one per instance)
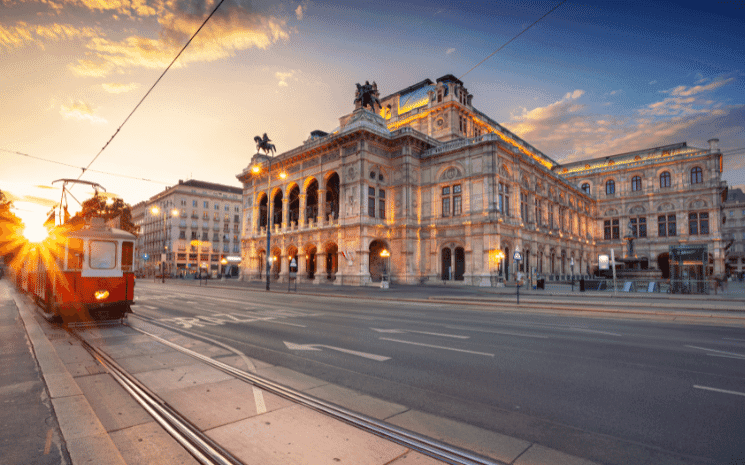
(127, 255)
(103, 255)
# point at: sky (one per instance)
(590, 79)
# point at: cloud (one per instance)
(565, 131)
(81, 111)
(116, 88)
(652, 82)
(22, 33)
(283, 77)
(684, 91)
(299, 12)
(449, 51)
(234, 27)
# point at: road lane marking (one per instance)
(508, 333)
(719, 390)
(293, 346)
(719, 351)
(268, 320)
(149, 307)
(436, 347)
(733, 339)
(726, 356)
(401, 331)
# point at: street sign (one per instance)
(517, 256)
(603, 262)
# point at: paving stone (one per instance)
(290, 378)
(93, 450)
(157, 361)
(149, 444)
(480, 441)
(180, 377)
(76, 418)
(115, 407)
(539, 455)
(217, 404)
(298, 435)
(415, 458)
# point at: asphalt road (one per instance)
(612, 391)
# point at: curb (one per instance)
(85, 437)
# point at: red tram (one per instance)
(81, 274)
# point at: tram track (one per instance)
(207, 451)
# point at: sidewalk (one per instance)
(102, 424)
(30, 433)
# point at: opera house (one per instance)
(427, 188)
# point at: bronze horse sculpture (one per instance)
(262, 143)
(366, 95)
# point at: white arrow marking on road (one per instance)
(292, 346)
(401, 331)
(437, 347)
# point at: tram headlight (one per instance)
(101, 295)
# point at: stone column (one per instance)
(321, 271)
(301, 219)
(321, 206)
(285, 212)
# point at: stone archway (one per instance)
(310, 262)
(332, 261)
(378, 264)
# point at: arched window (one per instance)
(665, 179)
(586, 188)
(697, 175)
(636, 184)
(610, 187)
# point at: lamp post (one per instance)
(571, 267)
(386, 256)
(256, 169)
(155, 211)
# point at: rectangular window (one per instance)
(698, 223)
(381, 204)
(128, 249)
(607, 230)
(371, 202)
(74, 254)
(616, 228)
(206, 204)
(638, 227)
(457, 205)
(538, 212)
(194, 203)
(102, 255)
(504, 199)
(524, 206)
(446, 206)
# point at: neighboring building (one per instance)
(733, 232)
(204, 233)
(447, 192)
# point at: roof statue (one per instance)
(262, 143)
(365, 95)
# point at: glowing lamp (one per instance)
(101, 295)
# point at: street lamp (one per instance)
(386, 257)
(256, 169)
(571, 267)
(155, 211)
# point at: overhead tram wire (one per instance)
(84, 169)
(515, 37)
(151, 88)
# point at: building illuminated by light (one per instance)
(196, 225)
(451, 194)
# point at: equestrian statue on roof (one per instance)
(367, 94)
(262, 143)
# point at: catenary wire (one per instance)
(151, 89)
(81, 168)
(515, 37)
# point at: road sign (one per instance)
(517, 256)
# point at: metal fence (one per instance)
(729, 286)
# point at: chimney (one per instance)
(713, 145)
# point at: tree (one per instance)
(10, 228)
(115, 209)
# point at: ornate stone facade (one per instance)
(447, 192)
